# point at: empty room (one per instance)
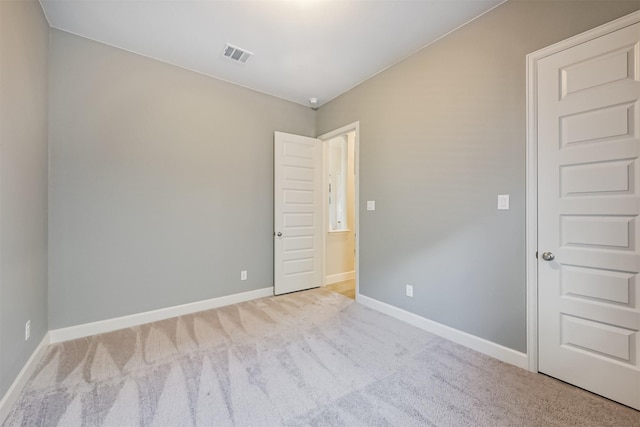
(319, 212)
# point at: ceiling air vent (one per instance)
(236, 54)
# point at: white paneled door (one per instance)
(297, 213)
(588, 208)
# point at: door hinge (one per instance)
(536, 254)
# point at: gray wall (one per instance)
(161, 179)
(24, 44)
(161, 183)
(442, 134)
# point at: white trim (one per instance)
(325, 209)
(532, 170)
(14, 391)
(340, 277)
(342, 231)
(473, 342)
(355, 127)
(531, 216)
(109, 325)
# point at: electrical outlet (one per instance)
(243, 275)
(409, 290)
(27, 330)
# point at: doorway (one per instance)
(340, 207)
(302, 217)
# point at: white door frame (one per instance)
(353, 127)
(532, 171)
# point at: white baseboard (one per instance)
(478, 344)
(109, 325)
(340, 277)
(12, 394)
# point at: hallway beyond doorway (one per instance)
(346, 288)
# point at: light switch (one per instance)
(371, 205)
(503, 202)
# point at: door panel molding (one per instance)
(532, 170)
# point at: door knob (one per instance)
(279, 234)
(548, 256)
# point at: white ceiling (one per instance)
(303, 48)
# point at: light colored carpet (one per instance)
(310, 358)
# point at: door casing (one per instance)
(531, 219)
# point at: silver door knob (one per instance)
(548, 256)
(279, 234)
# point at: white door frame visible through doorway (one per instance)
(353, 127)
(532, 172)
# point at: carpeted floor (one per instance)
(310, 358)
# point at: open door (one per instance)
(297, 213)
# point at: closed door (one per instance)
(588, 201)
(297, 213)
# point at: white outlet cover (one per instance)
(243, 275)
(371, 205)
(503, 202)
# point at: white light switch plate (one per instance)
(409, 290)
(503, 202)
(371, 205)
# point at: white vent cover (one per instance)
(236, 54)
